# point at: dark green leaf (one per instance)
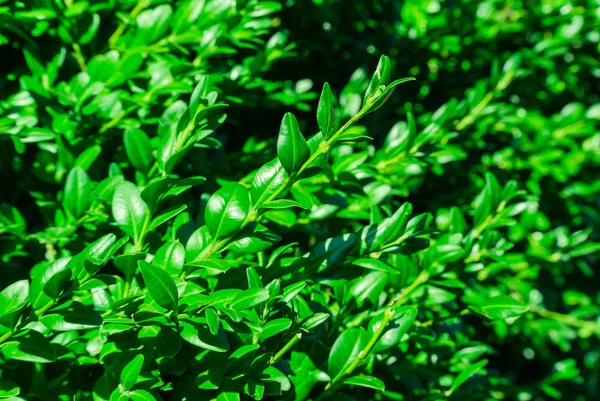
(160, 285)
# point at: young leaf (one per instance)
(379, 79)
(325, 113)
(160, 285)
(292, 149)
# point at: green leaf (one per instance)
(210, 379)
(166, 216)
(227, 209)
(499, 307)
(585, 249)
(142, 395)
(138, 149)
(282, 204)
(368, 287)
(268, 179)
(404, 318)
(71, 315)
(131, 372)
(31, 347)
(382, 95)
(128, 263)
(292, 149)
(345, 350)
(78, 190)
(259, 240)
(212, 319)
(253, 278)
(365, 381)
(465, 374)
(8, 388)
(47, 286)
(228, 396)
(14, 297)
(170, 257)
(291, 291)
(374, 264)
(379, 79)
(164, 339)
(198, 334)
(249, 298)
(315, 320)
(274, 327)
(325, 112)
(331, 252)
(160, 285)
(130, 211)
(87, 157)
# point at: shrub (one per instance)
(434, 239)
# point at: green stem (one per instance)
(139, 7)
(470, 118)
(285, 349)
(6, 336)
(117, 119)
(566, 319)
(500, 86)
(217, 245)
(79, 57)
(45, 308)
(388, 315)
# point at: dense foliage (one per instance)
(172, 229)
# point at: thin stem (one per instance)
(6, 336)
(474, 113)
(470, 118)
(389, 314)
(285, 349)
(217, 245)
(139, 7)
(566, 319)
(79, 57)
(117, 119)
